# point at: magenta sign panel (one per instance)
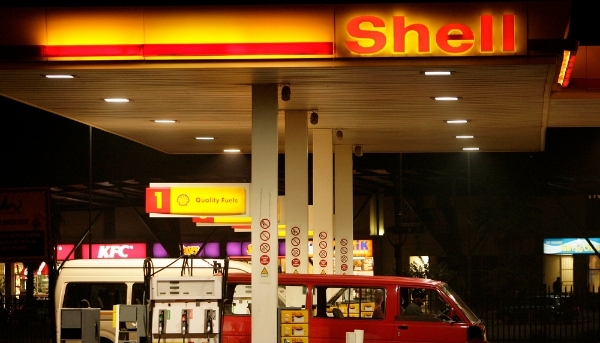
(124, 250)
(63, 250)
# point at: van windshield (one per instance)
(461, 304)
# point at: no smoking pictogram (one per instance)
(344, 250)
(295, 231)
(344, 241)
(344, 258)
(295, 252)
(322, 244)
(295, 241)
(323, 253)
(264, 247)
(265, 223)
(322, 235)
(265, 235)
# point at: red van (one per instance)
(388, 309)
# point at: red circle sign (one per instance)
(344, 267)
(323, 263)
(264, 260)
(296, 262)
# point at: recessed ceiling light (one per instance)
(470, 149)
(59, 76)
(231, 150)
(205, 138)
(446, 98)
(116, 100)
(464, 137)
(165, 121)
(457, 121)
(437, 73)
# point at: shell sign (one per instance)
(413, 30)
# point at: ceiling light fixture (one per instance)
(446, 98)
(116, 100)
(286, 93)
(437, 73)
(165, 121)
(566, 68)
(358, 150)
(59, 76)
(464, 137)
(205, 138)
(339, 135)
(457, 121)
(470, 149)
(314, 118)
(231, 150)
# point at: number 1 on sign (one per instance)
(158, 196)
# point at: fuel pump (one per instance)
(186, 308)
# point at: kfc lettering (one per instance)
(452, 38)
(134, 250)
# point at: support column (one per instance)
(296, 192)
(263, 210)
(344, 213)
(322, 201)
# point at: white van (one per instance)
(102, 283)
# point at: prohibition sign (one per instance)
(265, 235)
(322, 244)
(295, 241)
(295, 252)
(296, 262)
(322, 235)
(264, 247)
(265, 223)
(322, 253)
(344, 242)
(344, 250)
(323, 263)
(295, 231)
(344, 267)
(344, 259)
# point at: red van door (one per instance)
(414, 331)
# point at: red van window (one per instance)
(349, 302)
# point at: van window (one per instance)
(94, 295)
(241, 299)
(137, 294)
(349, 302)
(422, 304)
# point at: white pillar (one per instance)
(322, 201)
(263, 210)
(344, 212)
(296, 192)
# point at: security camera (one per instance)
(314, 118)
(286, 93)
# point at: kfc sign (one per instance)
(133, 250)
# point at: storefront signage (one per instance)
(421, 30)
(127, 250)
(570, 246)
(63, 251)
(24, 225)
(211, 249)
(303, 32)
(197, 199)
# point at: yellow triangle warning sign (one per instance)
(323, 272)
(296, 271)
(264, 272)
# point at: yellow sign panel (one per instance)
(264, 272)
(213, 200)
